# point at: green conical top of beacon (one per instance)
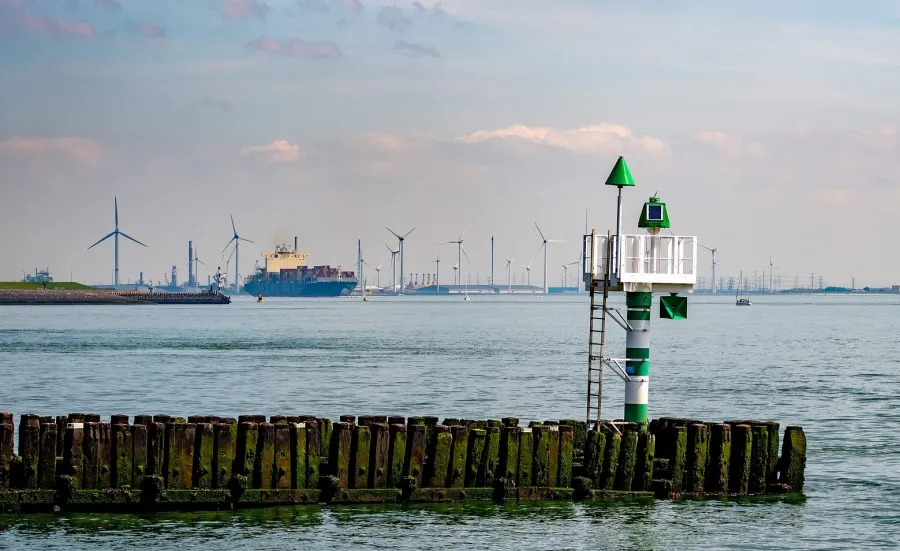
(620, 175)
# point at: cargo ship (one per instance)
(285, 274)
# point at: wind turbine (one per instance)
(713, 251)
(400, 238)
(116, 233)
(437, 273)
(459, 251)
(455, 269)
(528, 271)
(544, 245)
(236, 239)
(377, 272)
(196, 261)
(565, 268)
(393, 266)
(509, 261)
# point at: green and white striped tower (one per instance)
(637, 355)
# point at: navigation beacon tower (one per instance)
(637, 265)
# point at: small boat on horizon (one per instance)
(739, 298)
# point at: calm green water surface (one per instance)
(827, 363)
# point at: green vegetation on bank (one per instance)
(58, 285)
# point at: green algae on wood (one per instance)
(73, 455)
(263, 474)
(188, 434)
(793, 458)
(313, 448)
(92, 451)
(625, 467)
(740, 460)
(139, 454)
(475, 459)
(488, 470)
(540, 469)
(526, 457)
(397, 455)
(553, 456)
(456, 473)
(282, 472)
(379, 461)
(325, 429)
(225, 464)
(773, 436)
(47, 457)
(646, 456)
(359, 464)
(443, 444)
(566, 452)
(123, 457)
(414, 461)
(247, 444)
(610, 459)
(678, 448)
(697, 452)
(508, 465)
(759, 459)
(339, 453)
(298, 459)
(718, 466)
(204, 454)
(156, 449)
(29, 450)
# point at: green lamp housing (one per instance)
(620, 176)
(654, 215)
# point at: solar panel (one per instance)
(654, 212)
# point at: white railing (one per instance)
(645, 259)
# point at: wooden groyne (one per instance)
(77, 462)
(104, 296)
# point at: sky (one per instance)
(774, 124)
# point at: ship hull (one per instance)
(300, 289)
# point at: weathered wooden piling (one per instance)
(526, 457)
(718, 462)
(697, 452)
(610, 459)
(122, 456)
(456, 472)
(793, 460)
(29, 450)
(741, 457)
(47, 457)
(566, 451)
(627, 459)
(759, 459)
(397, 446)
(440, 456)
(396, 420)
(118, 419)
(508, 467)
(140, 454)
(475, 460)
(379, 461)
(773, 437)
(414, 460)
(219, 462)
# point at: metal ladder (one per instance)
(595, 348)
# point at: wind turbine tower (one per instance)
(437, 273)
(393, 266)
(400, 238)
(544, 245)
(714, 264)
(509, 261)
(459, 252)
(236, 239)
(115, 234)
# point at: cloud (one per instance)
(410, 49)
(235, 10)
(602, 138)
(393, 143)
(83, 150)
(148, 30)
(352, 5)
(392, 17)
(110, 4)
(436, 9)
(56, 27)
(297, 47)
(279, 151)
(732, 146)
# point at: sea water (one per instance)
(827, 363)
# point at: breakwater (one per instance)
(77, 462)
(103, 296)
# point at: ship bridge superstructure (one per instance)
(284, 258)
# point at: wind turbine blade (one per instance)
(409, 232)
(463, 234)
(539, 231)
(393, 232)
(465, 254)
(506, 257)
(105, 237)
(116, 203)
(125, 235)
(247, 240)
(704, 246)
(201, 262)
(556, 241)
(448, 243)
(232, 225)
(388, 248)
(228, 245)
(722, 241)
